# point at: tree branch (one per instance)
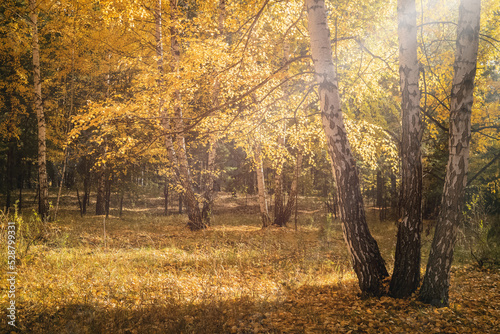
(483, 169)
(373, 55)
(435, 121)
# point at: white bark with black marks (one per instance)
(43, 204)
(435, 286)
(365, 255)
(406, 276)
(261, 188)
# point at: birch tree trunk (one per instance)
(282, 211)
(68, 127)
(278, 188)
(261, 187)
(365, 255)
(406, 275)
(193, 210)
(43, 202)
(209, 193)
(162, 112)
(436, 282)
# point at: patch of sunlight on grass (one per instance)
(237, 228)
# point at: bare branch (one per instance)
(435, 121)
(374, 56)
(484, 168)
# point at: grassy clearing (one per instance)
(146, 273)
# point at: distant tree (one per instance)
(43, 202)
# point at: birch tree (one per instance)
(261, 187)
(365, 255)
(435, 286)
(43, 200)
(406, 275)
(184, 174)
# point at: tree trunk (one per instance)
(184, 175)
(406, 275)
(394, 195)
(108, 194)
(281, 215)
(68, 126)
(436, 282)
(365, 255)
(86, 187)
(261, 187)
(28, 173)
(9, 175)
(379, 191)
(193, 210)
(180, 203)
(208, 192)
(292, 196)
(43, 200)
(61, 183)
(79, 202)
(177, 154)
(21, 185)
(165, 122)
(165, 196)
(279, 219)
(120, 211)
(100, 204)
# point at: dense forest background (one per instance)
(191, 108)
(246, 87)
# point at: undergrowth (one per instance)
(147, 273)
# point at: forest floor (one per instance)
(147, 273)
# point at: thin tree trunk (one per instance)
(28, 173)
(100, 204)
(165, 196)
(365, 255)
(380, 190)
(21, 184)
(66, 150)
(180, 203)
(165, 122)
(406, 275)
(185, 179)
(297, 178)
(281, 217)
(394, 195)
(261, 187)
(279, 207)
(61, 183)
(86, 187)
(436, 282)
(192, 205)
(208, 192)
(79, 202)
(292, 197)
(43, 202)
(108, 194)
(9, 175)
(120, 211)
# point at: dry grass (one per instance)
(149, 274)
